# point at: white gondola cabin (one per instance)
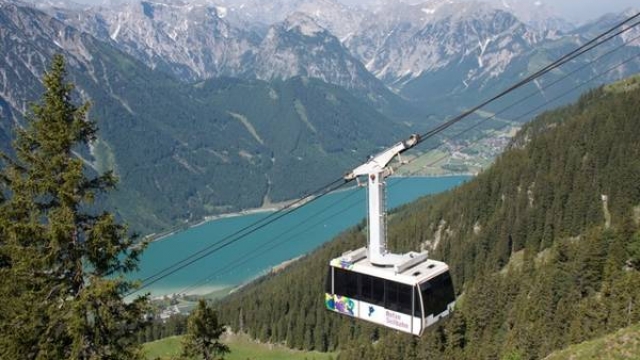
(406, 292)
(410, 300)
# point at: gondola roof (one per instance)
(357, 261)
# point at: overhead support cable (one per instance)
(238, 235)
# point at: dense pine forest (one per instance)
(544, 249)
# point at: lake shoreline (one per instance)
(277, 207)
(235, 263)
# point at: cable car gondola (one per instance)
(407, 292)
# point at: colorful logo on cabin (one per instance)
(329, 302)
(340, 304)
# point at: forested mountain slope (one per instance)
(544, 249)
(184, 151)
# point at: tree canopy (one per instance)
(62, 258)
(203, 334)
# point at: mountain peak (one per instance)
(535, 13)
(303, 23)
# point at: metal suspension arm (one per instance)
(379, 161)
(376, 170)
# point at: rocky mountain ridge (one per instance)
(462, 48)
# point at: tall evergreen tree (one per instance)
(203, 334)
(63, 260)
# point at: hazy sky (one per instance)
(588, 9)
(575, 10)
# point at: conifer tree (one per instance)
(203, 334)
(63, 260)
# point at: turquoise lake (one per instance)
(293, 235)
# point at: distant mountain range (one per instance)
(428, 52)
(209, 106)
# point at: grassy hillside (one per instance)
(622, 345)
(241, 347)
(563, 201)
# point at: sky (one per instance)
(589, 9)
(574, 10)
